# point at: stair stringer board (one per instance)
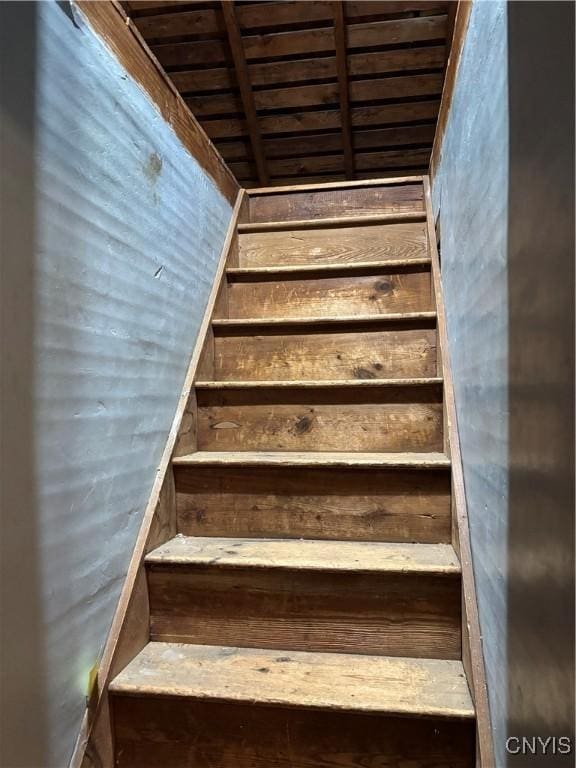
(130, 629)
(472, 652)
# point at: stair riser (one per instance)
(341, 354)
(314, 503)
(342, 245)
(415, 615)
(408, 291)
(372, 200)
(332, 427)
(180, 733)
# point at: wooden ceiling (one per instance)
(305, 91)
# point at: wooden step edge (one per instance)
(311, 459)
(319, 384)
(310, 322)
(363, 557)
(389, 181)
(336, 682)
(341, 221)
(310, 271)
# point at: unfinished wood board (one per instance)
(392, 599)
(315, 503)
(291, 459)
(357, 354)
(156, 731)
(332, 222)
(406, 291)
(330, 246)
(255, 424)
(355, 201)
(357, 384)
(345, 682)
(309, 555)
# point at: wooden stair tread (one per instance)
(429, 460)
(348, 221)
(307, 554)
(326, 270)
(327, 681)
(392, 317)
(312, 384)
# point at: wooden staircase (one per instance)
(303, 598)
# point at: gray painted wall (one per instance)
(471, 192)
(504, 194)
(111, 235)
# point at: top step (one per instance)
(341, 200)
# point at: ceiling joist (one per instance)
(289, 90)
(243, 79)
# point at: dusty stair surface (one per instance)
(308, 612)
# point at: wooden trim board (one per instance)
(129, 632)
(108, 20)
(473, 658)
(365, 183)
(458, 38)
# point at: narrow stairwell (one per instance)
(308, 613)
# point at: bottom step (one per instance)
(183, 705)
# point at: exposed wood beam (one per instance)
(242, 75)
(342, 69)
(450, 22)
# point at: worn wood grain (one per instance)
(424, 461)
(342, 682)
(387, 419)
(339, 245)
(393, 599)
(314, 502)
(153, 732)
(355, 354)
(311, 555)
(347, 201)
(406, 291)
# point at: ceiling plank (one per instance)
(300, 71)
(237, 50)
(342, 68)
(394, 32)
(205, 22)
